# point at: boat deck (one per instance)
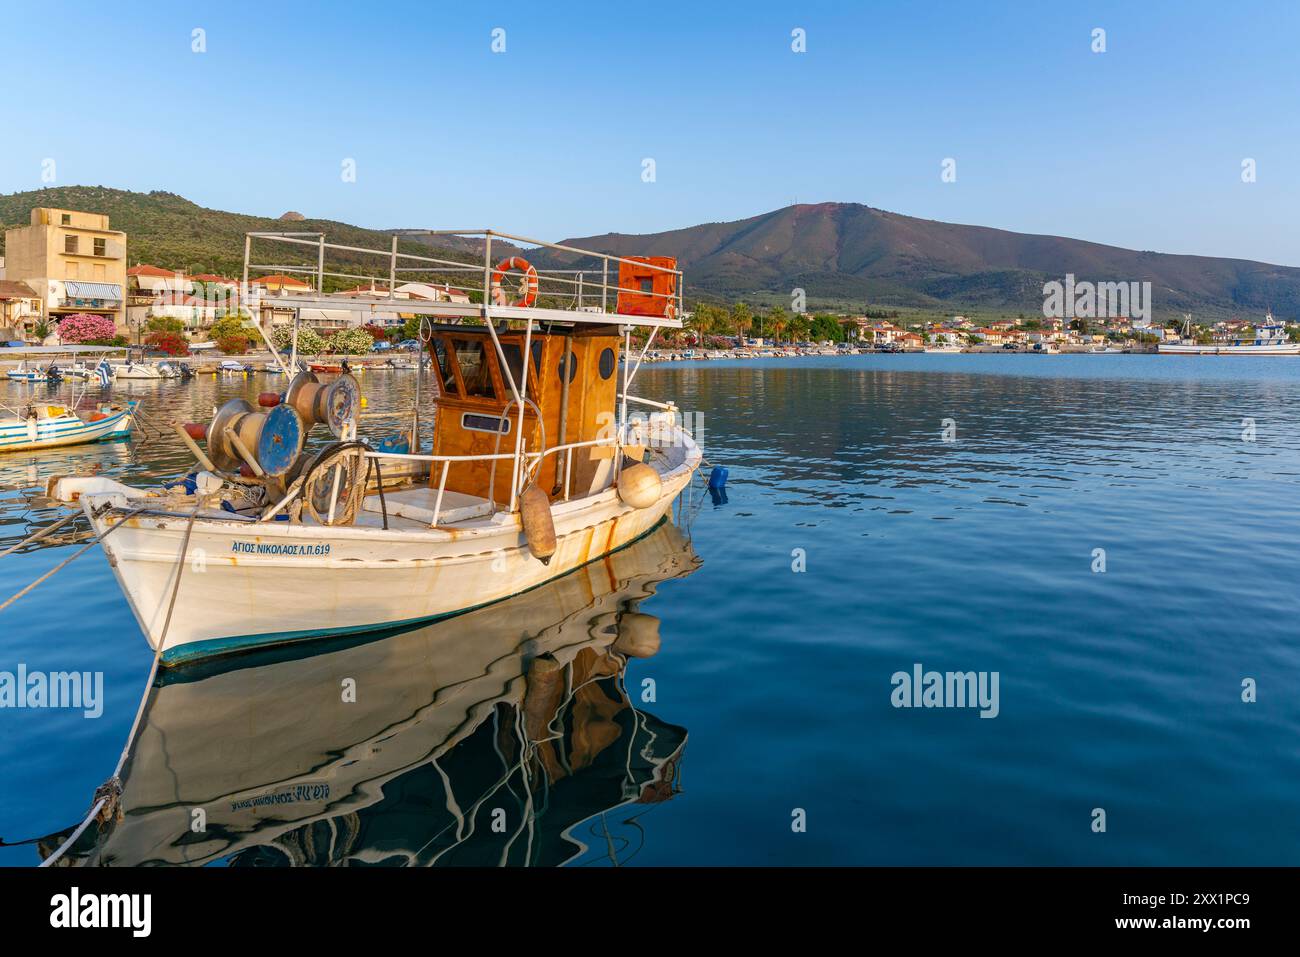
(414, 508)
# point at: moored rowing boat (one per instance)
(49, 426)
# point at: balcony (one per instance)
(90, 295)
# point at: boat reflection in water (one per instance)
(502, 736)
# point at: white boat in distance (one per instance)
(1270, 340)
(44, 425)
(536, 467)
(146, 371)
(28, 373)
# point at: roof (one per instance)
(278, 280)
(12, 289)
(212, 277)
(144, 269)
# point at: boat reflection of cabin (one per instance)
(477, 415)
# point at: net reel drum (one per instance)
(273, 439)
(334, 404)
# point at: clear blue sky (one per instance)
(1140, 146)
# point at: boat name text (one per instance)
(280, 548)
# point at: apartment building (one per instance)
(72, 260)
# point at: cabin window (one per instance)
(515, 363)
(647, 285)
(607, 363)
(475, 368)
(485, 423)
(443, 357)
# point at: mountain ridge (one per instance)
(847, 249)
(843, 255)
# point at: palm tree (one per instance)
(742, 319)
(777, 321)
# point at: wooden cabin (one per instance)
(476, 414)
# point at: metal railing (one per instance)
(534, 459)
(574, 280)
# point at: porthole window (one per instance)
(573, 367)
(607, 363)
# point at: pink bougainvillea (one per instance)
(86, 327)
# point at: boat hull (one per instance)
(247, 585)
(137, 371)
(22, 435)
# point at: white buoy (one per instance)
(639, 485)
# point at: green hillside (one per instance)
(167, 230)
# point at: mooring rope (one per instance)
(67, 561)
(41, 534)
(107, 794)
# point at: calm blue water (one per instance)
(1118, 690)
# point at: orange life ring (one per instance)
(530, 285)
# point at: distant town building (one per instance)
(20, 310)
(197, 301)
(72, 260)
(280, 285)
(947, 337)
(857, 328)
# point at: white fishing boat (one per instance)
(1270, 339)
(130, 369)
(536, 468)
(44, 425)
(42, 363)
(80, 370)
(27, 371)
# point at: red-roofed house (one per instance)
(277, 284)
(147, 280)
